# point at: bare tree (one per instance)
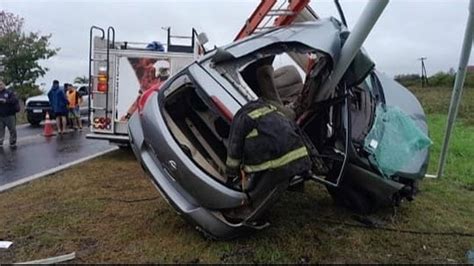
(10, 23)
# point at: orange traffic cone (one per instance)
(48, 128)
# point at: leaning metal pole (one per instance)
(359, 33)
(458, 87)
(353, 44)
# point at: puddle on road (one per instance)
(68, 148)
(7, 160)
(35, 154)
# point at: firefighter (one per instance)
(264, 144)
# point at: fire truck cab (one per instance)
(120, 72)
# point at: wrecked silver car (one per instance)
(367, 136)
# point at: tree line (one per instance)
(22, 52)
(440, 79)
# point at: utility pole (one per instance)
(458, 87)
(359, 33)
(424, 76)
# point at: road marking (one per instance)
(53, 170)
(24, 139)
(36, 136)
(22, 126)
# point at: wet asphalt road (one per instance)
(35, 153)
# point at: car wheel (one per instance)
(123, 146)
(351, 198)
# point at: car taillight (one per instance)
(102, 123)
(222, 108)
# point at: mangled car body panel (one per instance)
(304, 33)
(180, 137)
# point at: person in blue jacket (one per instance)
(59, 103)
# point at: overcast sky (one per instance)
(407, 30)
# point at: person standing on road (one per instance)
(59, 103)
(74, 100)
(9, 106)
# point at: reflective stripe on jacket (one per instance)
(262, 138)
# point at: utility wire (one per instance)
(378, 227)
(129, 201)
(333, 221)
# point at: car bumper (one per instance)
(210, 222)
(38, 114)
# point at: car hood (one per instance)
(39, 98)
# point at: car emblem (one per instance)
(172, 164)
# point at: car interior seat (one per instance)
(266, 82)
(288, 83)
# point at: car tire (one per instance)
(126, 148)
(354, 199)
(123, 146)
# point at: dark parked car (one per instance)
(180, 134)
(36, 107)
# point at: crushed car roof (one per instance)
(323, 35)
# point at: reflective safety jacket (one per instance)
(262, 138)
(73, 98)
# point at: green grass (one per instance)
(21, 116)
(83, 209)
(459, 167)
(436, 100)
(436, 103)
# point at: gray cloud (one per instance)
(407, 29)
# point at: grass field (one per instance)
(436, 101)
(107, 211)
(21, 116)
